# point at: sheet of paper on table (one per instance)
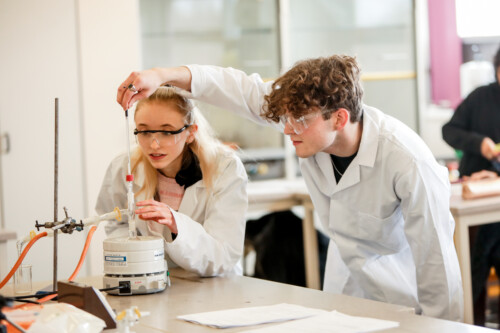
(329, 322)
(251, 316)
(301, 319)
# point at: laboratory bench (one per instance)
(190, 294)
(468, 213)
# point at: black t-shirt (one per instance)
(340, 165)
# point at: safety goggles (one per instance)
(162, 138)
(299, 125)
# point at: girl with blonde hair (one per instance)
(190, 188)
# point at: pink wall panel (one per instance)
(445, 53)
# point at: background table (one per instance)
(281, 194)
(469, 213)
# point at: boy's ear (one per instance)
(342, 117)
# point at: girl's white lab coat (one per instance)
(388, 217)
(211, 226)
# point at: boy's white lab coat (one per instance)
(211, 226)
(388, 217)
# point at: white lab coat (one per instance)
(211, 226)
(388, 218)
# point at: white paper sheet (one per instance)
(251, 316)
(330, 322)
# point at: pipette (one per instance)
(130, 180)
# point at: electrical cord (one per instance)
(37, 295)
(44, 294)
(28, 301)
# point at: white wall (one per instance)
(433, 119)
(78, 51)
(38, 62)
(110, 51)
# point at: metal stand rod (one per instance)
(56, 172)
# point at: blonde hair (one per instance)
(207, 148)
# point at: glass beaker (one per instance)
(22, 280)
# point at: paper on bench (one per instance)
(251, 316)
(329, 322)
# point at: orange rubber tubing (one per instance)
(84, 252)
(77, 269)
(80, 263)
(21, 257)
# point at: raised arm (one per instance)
(227, 88)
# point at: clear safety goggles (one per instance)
(299, 125)
(162, 138)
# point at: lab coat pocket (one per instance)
(382, 235)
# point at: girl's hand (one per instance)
(152, 210)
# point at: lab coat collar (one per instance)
(350, 177)
(367, 152)
(324, 177)
(366, 156)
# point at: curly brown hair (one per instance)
(326, 83)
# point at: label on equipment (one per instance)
(115, 259)
(159, 254)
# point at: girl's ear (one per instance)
(192, 131)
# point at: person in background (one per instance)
(474, 129)
(189, 188)
(380, 195)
